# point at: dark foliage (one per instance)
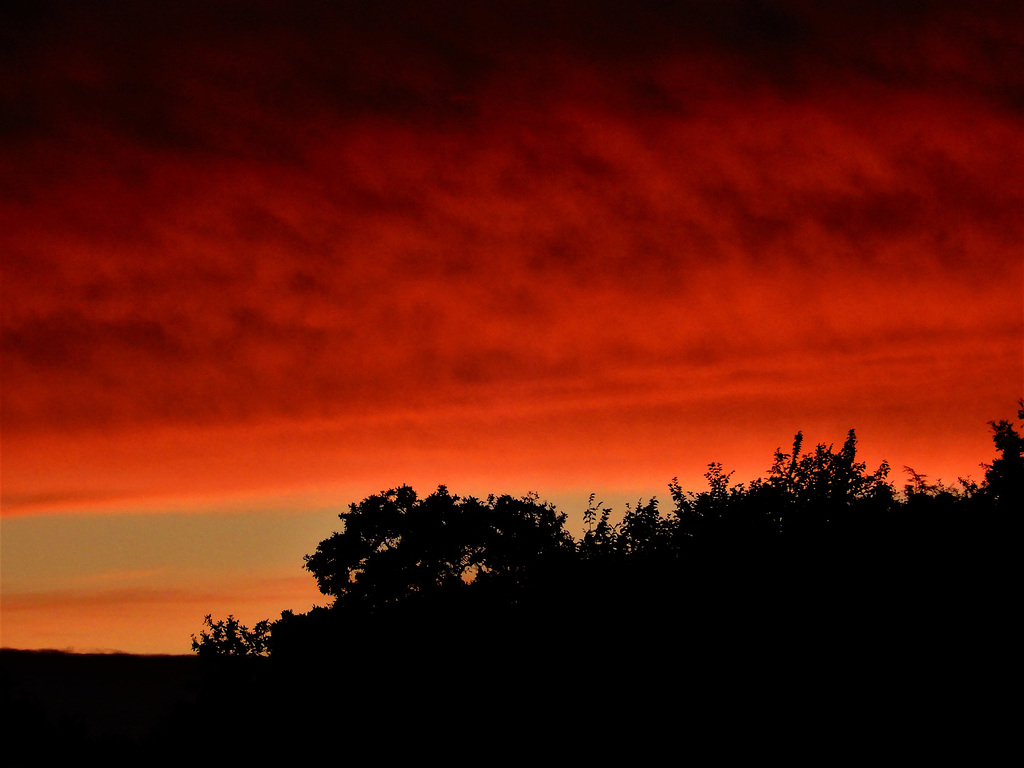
(229, 637)
(396, 547)
(819, 522)
(816, 602)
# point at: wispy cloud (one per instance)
(217, 221)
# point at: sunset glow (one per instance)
(262, 261)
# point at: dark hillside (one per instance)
(57, 704)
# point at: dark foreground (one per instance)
(60, 707)
(816, 617)
(748, 678)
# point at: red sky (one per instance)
(263, 260)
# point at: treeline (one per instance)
(820, 613)
(473, 617)
(399, 554)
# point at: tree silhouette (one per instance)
(396, 547)
(460, 615)
(1004, 477)
(229, 637)
(483, 619)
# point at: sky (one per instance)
(263, 259)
